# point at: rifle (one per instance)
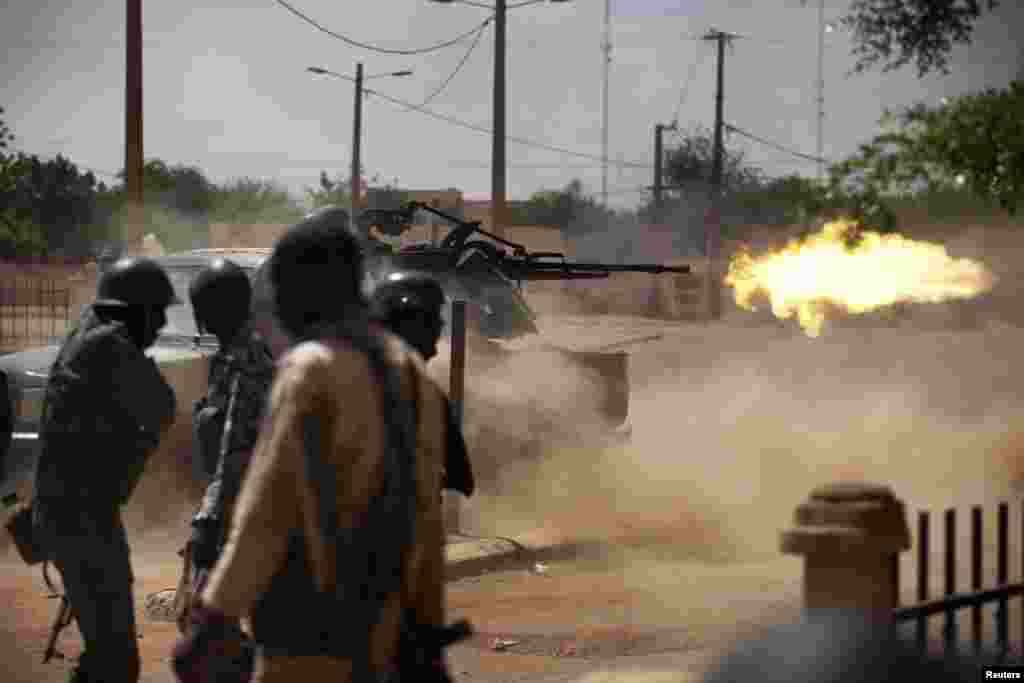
(225, 442)
(61, 619)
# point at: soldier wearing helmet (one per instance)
(106, 408)
(227, 420)
(412, 307)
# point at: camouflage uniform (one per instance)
(248, 360)
(106, 407)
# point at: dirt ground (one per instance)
(734, 423)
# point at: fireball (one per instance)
(844, 269)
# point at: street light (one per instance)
(357, 127)
(498, 162)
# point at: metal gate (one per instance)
(976, 600)
(33, 312)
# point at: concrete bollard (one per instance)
(851, 535)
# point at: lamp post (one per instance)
(357, 127)
(498, 141)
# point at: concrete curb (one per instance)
(467, 556)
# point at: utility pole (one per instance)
(606, 59)
(821, 88)
(356, 178)
(498, 141)
(659, 171)
(133, 154)
(713, 224)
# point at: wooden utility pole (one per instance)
(606, 60)
(355, 174)
(498, 136)
(659, 169)
(134, 225)
(713, 222)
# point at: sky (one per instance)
(225, 86)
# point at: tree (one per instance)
(569, 209)
(336, 192)
(687, 166)
(18, 234)
(248, 200)
(330, 192)
(894, 33)
(975, 141)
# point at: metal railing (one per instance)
(978, 598)
(33, 312)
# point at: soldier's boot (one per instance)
(81, 674)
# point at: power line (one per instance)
(387, 51)
(774, 145)
(409, 106)
(458, 67)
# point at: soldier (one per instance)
(106, 408)
(227, 420)
(336, 544)
(411, 307)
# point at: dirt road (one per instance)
(572, 618)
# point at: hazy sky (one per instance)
(226, 87)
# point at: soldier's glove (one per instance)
(205, 543)
(213, 641)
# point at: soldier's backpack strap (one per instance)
(369, 558)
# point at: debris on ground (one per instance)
(159, 606)
(499, 644)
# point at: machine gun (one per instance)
(519, 265)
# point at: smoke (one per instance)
(735, 423)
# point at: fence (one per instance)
(975, 600)
(851, 536)
(33, 312)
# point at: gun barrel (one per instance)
(654, 268)
(534, 271)
(552, 275)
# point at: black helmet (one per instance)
(403, 293)
(332, 215)
(136, 282)
(410, 306)
(316, 274)
(221, 296)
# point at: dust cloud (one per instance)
(734, 423)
